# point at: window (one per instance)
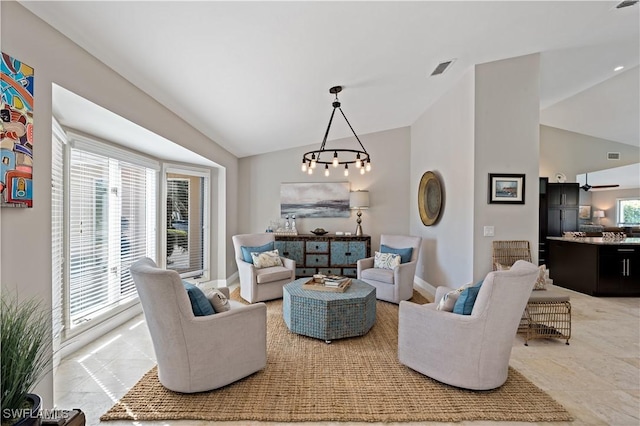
(628, 211)
(187, 221)
(109, 222)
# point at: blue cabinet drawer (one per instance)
(291, 250)
(317, 260)
(330, 271)
(347, 252)
(350, 272)
(317, 246)
(305, 272)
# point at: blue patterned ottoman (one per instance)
(327, 315)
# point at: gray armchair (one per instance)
(266, 283)
(198, 353)
(467, 351)
(397, 284)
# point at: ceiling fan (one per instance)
(587, 187)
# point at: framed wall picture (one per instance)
(322, 199)
(506, 188)
(584, 212)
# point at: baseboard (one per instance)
(425, 286)
(205, 285)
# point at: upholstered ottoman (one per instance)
(328, 315)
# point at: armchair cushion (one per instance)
(275, 273)
(448, 301)
(464, 304)
(218, 300)
(200, 305)
(377, 274)
(405, 253)
(266, 259)
(386, 260)
(246, 251)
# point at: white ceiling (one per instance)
(254, 76)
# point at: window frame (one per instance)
(202, 172)
(112, 152)
(619, 211)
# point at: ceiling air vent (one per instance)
(613, 155)
(626, 3)
(442, 67)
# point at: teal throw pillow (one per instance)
(246, 251)
(200, 305)
(405, 253)
(464, 304)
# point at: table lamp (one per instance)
(359, 200)
(598, 214)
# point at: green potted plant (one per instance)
(26, 343)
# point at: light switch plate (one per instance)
(489, 231)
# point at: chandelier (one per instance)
(337, 156)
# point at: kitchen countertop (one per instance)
(598, 241)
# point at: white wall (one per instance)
(606, 200)
(562, 151)
(442, 141)
(507, 108)
(260, 177)
(26, 233)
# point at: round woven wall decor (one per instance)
(429, 198)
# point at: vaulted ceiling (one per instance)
(255, 76)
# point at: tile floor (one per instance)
(596, 377)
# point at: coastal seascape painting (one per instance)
(314, 199)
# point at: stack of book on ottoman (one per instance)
(334, 283)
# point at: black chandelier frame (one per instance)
(311, 158)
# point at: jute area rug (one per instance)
(355, 379)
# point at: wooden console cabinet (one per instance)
(326, 254)
(594, 267)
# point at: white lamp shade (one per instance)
(359, 200)
(598, 213)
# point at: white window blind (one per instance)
(57, 229)
(112, 211)
(187, 221)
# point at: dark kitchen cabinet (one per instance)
(562, 208)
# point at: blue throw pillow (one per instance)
(246, 251)
(405, 253)
(464, 304)
(199, 302)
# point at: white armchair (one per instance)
(467, 351)
(198, 353)
(397, 284)
(261, 284)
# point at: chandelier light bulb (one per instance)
(358, 161)
(346, 170)
(313, 164)
(335, 159)
(326, 170)
(310, 170)
(368, 167)
(361, 170)
(304, 166)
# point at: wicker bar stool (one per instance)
(548, 313)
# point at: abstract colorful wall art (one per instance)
(16, 133)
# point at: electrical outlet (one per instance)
(489, 231)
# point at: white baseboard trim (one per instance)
(206, 285)
(419, 282)
(232, 279)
